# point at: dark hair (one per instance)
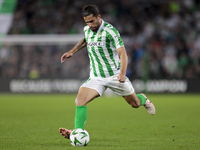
(90, 9)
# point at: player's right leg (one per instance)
(85, 95)
(65, 132)
(87, 92)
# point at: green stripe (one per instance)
(91, 58)
(105, 59)
(107, 25)
(93, 66)
(99, 63)
(120, 41)
(8, 6)
(111, 38)
(109, 49)
(110, 71)
(96, 57)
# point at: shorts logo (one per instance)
(94, 44)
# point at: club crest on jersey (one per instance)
(94, 44)
(99, 35)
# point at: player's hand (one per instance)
(121, 78)
(65, 56)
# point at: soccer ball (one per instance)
(79, 137)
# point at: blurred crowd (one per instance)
(162, 38)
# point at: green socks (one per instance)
(80, 117)
(81, 113)
(142, 99)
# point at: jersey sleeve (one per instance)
(115, 38)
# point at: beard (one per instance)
(95, 29)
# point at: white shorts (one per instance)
(101, 84)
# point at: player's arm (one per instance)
(124, 62)
(81, 44)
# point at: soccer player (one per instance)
(108, 64)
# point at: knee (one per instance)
(80, 102)
(133, 100)
(135, 105)
(77, 102)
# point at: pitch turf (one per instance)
(31, 122)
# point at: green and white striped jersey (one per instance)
(102, 45)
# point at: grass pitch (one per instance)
(31, 122)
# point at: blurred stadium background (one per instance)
(162, 39)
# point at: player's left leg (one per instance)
(133, 100)
(127, 91)
(137, 100)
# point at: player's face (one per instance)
(93, 22)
